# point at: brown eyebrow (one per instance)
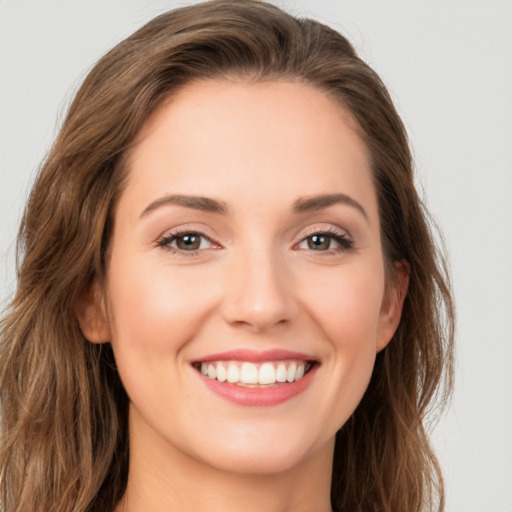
(196, 202)
(207, 204)
(307, 204)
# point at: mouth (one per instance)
(255, 374)
(253, 378)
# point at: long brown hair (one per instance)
(64, 440)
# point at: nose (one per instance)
(259, 292)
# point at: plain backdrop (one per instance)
(448, 65)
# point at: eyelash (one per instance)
(346, 244)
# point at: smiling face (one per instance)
(246, 284)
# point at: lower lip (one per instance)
(259, 397)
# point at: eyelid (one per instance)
(189, 227)
(325, 229)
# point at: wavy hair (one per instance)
(64, 444)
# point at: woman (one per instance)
(228, 294)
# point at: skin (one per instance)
(254, 283)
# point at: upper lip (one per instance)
(255, 356)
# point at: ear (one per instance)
(91, 314)
(391, 310)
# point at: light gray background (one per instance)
(448, 64)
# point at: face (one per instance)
(246, 287)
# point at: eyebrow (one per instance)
(205, 204)
(314, 203)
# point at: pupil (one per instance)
(189, 242)
(318, 242)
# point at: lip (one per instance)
(256, 396)
(254, 356)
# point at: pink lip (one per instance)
(260, 397)
(254, 356)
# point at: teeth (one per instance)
(267, 374)
(221, 373)
(250, 374)
(233, 373)
(291, 373)
(281, 373)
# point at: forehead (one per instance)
(259, 143)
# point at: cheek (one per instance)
(153, 312)
(346, 305)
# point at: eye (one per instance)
(185, 242)
(326, 241)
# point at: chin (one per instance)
(262, 449)
(259, 461)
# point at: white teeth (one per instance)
(221, 373)
(281, 372)
(265, 374)
(233, 373)
(292, 371)
(212, 373)
(249, 374)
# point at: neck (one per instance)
(165, 479)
